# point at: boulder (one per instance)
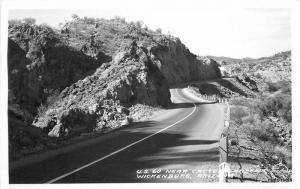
(56, 131)
(126, 121)
(123, 110)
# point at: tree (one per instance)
(29, 21)
(120, 19)
(75, 17)
(139, 24)
(14, 22)
(158, 30)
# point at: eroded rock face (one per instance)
(39, 63)
(131, 79)
(179, 65)
(247, 81)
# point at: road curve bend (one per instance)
(184, 137)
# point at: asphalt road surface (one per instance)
(178, 145)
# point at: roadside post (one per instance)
(227, 115)
(224, 170)
(223, 146)
(224, 166)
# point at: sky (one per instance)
(231, 32)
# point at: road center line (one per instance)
(124, 148)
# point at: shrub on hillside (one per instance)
(284, 86)
(29, 21)
(53, 96)
(266, 123)
(78, 121)
(278, 105)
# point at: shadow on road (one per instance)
(159, 151)
(187, 105)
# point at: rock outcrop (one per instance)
(247, 81)
(179, 65)
(39, 63)
(130, 79)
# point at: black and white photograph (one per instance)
(148, 92)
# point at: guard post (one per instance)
(224, 166)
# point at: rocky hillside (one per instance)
(229, 88)
(88, 75)
(104, 97)
(262, 70)
(173, 59)
(40, 63)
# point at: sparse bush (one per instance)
(139, 24)
(263, 131)
(119, 19)
(258, 75)
(14, 22)
(77, 121)
(29, 21)
(278, 105)
(75, 17)
(41, 110)
(159, 30)
(53, 96)
(237, 113)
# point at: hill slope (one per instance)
(262, 70)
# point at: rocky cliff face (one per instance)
(86, 76)
(179, 65)
(131, 78)
(39, 63)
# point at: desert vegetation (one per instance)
(262, 128)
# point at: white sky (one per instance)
(234, 32)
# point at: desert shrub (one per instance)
(263, 131)
(119, 19)
(29, 21)
(75, 17)
(78, 121)
(278, 105)
(286, 111)
(89, 20)
(158, 30)
(237, 113)
(239, 101)
(14, 22)
(53, 96)
(139, 24)
(258, 75)
(284, 86)
(41, 110)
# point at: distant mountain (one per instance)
(228, 60)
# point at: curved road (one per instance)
(176, 145)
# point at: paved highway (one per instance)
(174, 145)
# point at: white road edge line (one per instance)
(124, 148)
